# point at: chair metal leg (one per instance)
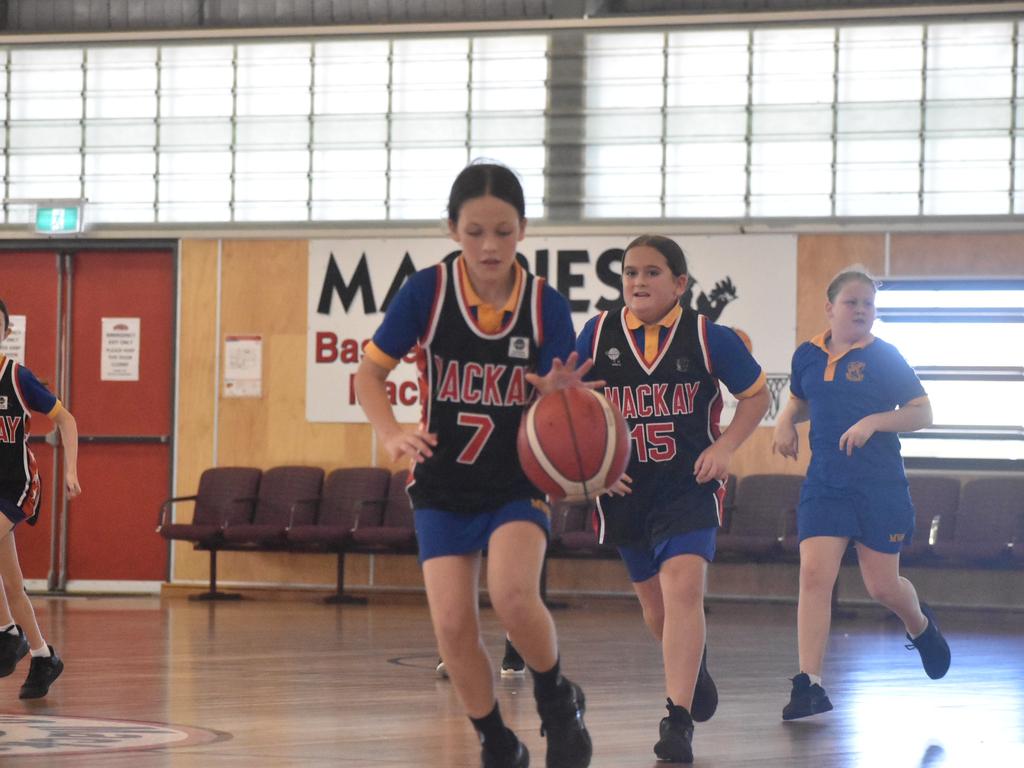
(213, 594)
(339, 597)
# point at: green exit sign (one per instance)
(58, 220)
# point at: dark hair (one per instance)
(7, 317)
(849, 275)
(479, 179)
(667, 247)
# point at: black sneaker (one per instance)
(512, 663)
(441, 669)
(932, 646)
(12, 650)
(519, 757)
(705, 694)
(561, 720)
(675, 744)
(41, 674)
(805, 699)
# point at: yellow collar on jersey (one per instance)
(633, 322)
(488, 316)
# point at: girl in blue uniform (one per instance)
(486, 332)
(662, 364)
(858, 392)
(20, 394)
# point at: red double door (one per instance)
(125, 427)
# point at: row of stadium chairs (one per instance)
(975, 523)
(295, 509)
(978, 522)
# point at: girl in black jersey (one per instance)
(486, 333)
(662, 364)
(20, 393)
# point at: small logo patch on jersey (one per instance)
(895, 537)
(614, 356)
(519, 347)
(3, 403)
(855, 371)
(682, 365)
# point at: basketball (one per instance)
(573, 444)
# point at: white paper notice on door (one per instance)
(119, 356)
(14, 345)
(243, 366)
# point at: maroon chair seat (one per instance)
(575, 535)
(392, 529)
(287, 496)
(224, 497)
(988, 523)
(346, 493)
(761, 517)
(935, 499)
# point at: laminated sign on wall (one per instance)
(120, 353)
(14, 345)
(243, 366)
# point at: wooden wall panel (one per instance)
(819, 258)
(264, 292)
(196, 351)
(975, 254)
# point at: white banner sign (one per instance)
(744, 281)
(119, 357)
(14, 345)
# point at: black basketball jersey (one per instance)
(19, 477)
(476, 390)
(672, 407)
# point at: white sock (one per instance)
(10, 629)
(44, 651)
(928, 623)
(815, 679)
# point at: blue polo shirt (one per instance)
(872, 377)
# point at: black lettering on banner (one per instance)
(567, 279)
(405, 270)
(335, 283)
(608, 275)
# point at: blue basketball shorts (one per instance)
(878, 515)
(442, 533)
(644, 564)
(12, 511)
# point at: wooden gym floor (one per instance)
(293, 682)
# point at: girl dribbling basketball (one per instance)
(485, 330)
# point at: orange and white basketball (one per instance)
(573, 444)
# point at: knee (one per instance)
(816, 579)
(884, 591)
(514, 604)
(456, 631)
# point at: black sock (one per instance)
(545, 684)
(494, 736)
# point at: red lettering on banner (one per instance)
(326, 347)
(349, 351)
(409, 393)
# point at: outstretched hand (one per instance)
(564, 375)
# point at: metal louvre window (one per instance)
(905, 119)
(965, 339)
(291, 131)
